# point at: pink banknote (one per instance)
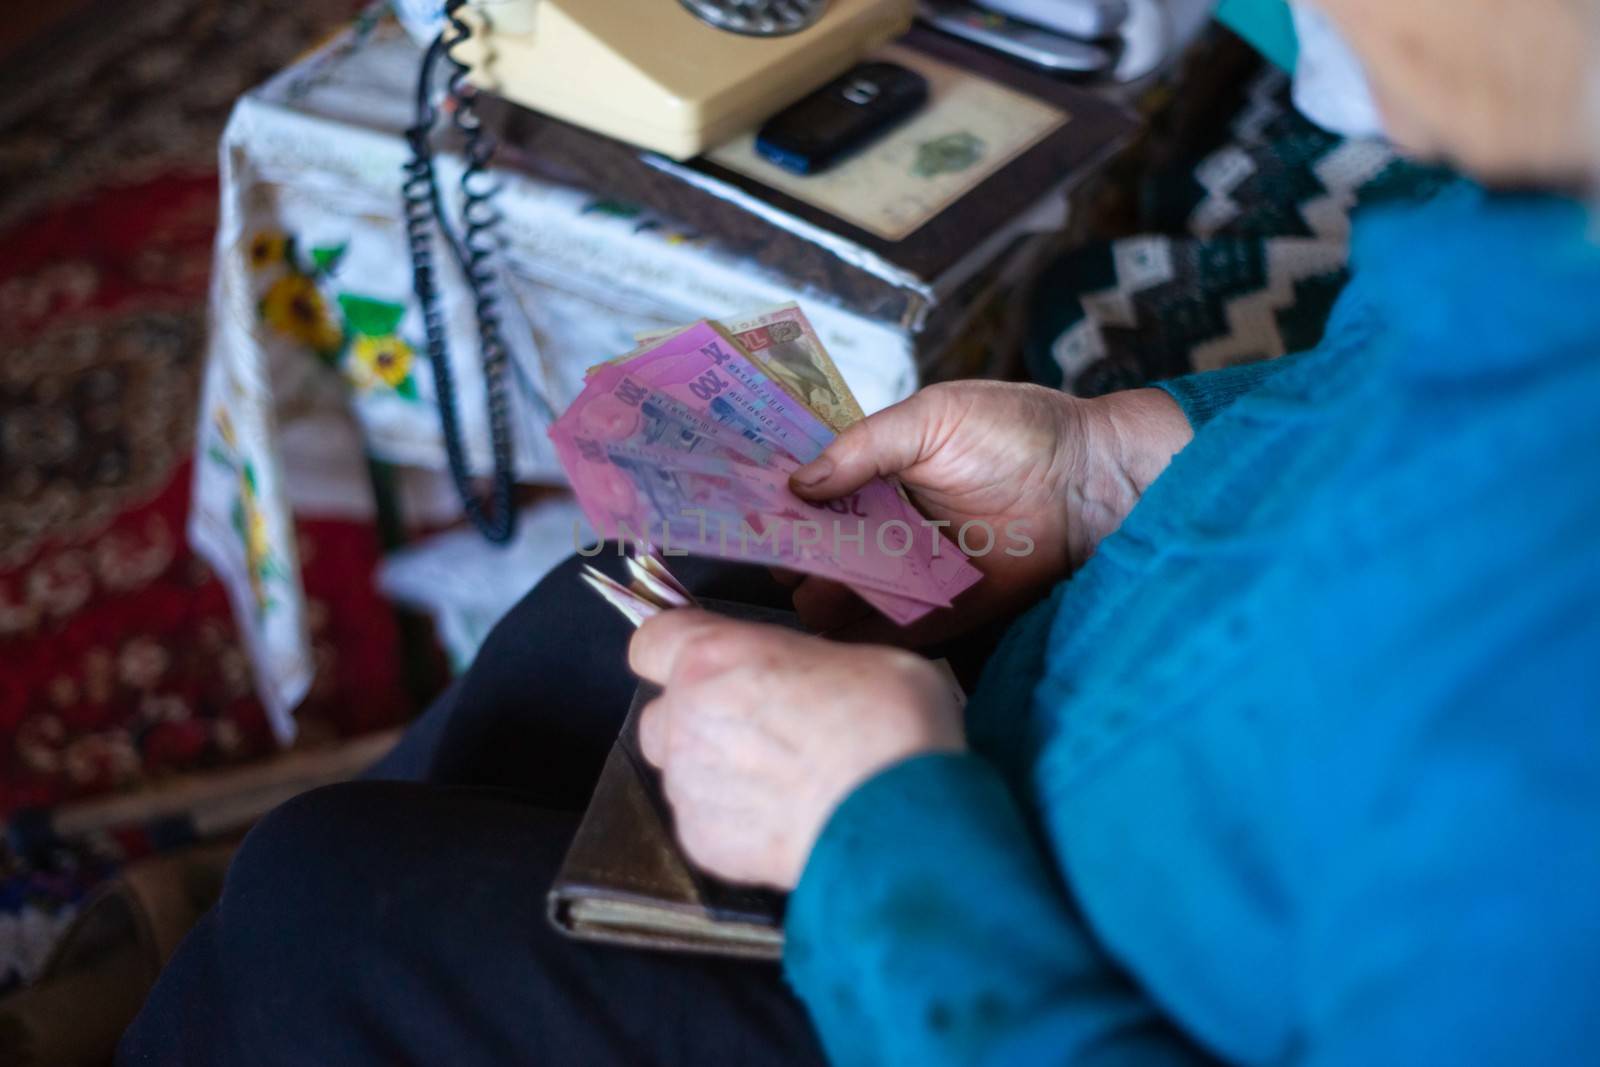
(688, 446)
(724, 507)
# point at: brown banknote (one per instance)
(783, 342)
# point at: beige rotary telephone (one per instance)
(675, 76)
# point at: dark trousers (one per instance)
(400, 919)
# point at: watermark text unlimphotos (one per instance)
(896, 537)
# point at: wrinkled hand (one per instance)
(1059, 471)
(760, 733)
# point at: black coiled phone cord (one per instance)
(495, 517)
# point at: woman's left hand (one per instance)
(760, 733)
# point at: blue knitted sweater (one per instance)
(1304, 766)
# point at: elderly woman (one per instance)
(1296, 761)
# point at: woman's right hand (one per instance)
(1060, 471)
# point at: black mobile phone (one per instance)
(843, 116)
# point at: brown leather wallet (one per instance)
(625, 879)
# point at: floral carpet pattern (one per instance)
(119, 662)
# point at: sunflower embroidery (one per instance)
(224, 424)
(378, 357)
(267, 248)
(293, 305)
(295, 308)
(360, 336)
(261, 563)
(388, 358)
(251, 524)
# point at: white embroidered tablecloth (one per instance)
(312, 319)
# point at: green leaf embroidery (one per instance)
(407, 388)
(217, 455)
(374, 318)
(326, 257)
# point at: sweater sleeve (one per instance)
(928, 930)
(1202, 396)
(1455, 924)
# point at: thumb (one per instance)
(879, 445)
(656, 646)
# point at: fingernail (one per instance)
(814, 472)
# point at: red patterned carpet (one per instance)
(119, 662)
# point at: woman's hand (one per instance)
(760, 732)
(1062, 471)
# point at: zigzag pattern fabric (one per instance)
(1240, 258)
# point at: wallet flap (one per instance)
(625, 879)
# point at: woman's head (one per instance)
(1502, 88)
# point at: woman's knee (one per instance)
(365, 852)
(284, 934)
(307, 867)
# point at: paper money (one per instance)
(782, 341)
(714, 506)
(700, 366)
(633, 607)
(646, 582)
(687, 444)
(657, 567)
(658, 410)
(652, 590)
